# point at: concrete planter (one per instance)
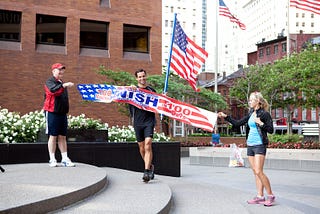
(289, 159)
(79, 135)
(166, 155)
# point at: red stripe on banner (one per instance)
(151, 101)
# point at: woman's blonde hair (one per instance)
(263, 103)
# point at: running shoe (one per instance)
(151, 175)
(269, 201)
(256, 200)
(52, 163)
(67, 163)
(146, 176)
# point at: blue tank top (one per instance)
(253, 138)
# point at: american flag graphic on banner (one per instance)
(309, 5)
(187, 57)
(150, 101)
(224, 11)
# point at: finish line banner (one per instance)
(150, 101)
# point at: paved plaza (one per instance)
(200, 189)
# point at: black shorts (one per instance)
(257, 150)
(56, 124)
(142, 132)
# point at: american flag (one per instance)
(187, 57)
(224, 11)
(309, 5)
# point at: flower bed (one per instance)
(29, 127)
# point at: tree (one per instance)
(288, 83)
(177, 88)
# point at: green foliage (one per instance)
(178, 88)
(293, 81)
(127, 134)
(82, 122)
(200, 135)
(276, 138)
(24, 129)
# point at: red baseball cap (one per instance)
(58, 66)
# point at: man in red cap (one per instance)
(56, 107)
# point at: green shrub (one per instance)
(277, 138)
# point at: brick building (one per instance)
(269, 51)
(83, 35)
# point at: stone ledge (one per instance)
(290, 159)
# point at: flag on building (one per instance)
(187, 57)
(224, 11)
(309, 5)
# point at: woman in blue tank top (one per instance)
(258, 123)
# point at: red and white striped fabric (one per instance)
(150, 101)
(187, 57)
(224, 11)
(308, 5)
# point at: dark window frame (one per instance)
(90, 42)
(51, 23)
(131, 38)
(13, 18)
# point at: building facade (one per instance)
(82, 35)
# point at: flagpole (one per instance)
(165, 89)
(217, 58)
(288, 31)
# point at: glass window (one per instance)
(93, 34)
(313, 114)
(136, 38)
(10, 25)
(51, 30)
(304, 114)
(261, 53)
(105, 3)
(268, 51)
(275, 50)
(284, 47)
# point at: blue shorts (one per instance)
(142, 132)
(56, 124)
(257, 150)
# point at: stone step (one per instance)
(38, 188)
(289, 159)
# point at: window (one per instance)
(10, 25)
(304, 114)
(93, 34)
(260, 53)
(136, 39)
(297, 24)
(313, 114)
(284, 47)
(50, 30)
(312, 24)
(312, 15)
(303, 24)
(297, 15)
(302, 15)
(275, 50)
(105, 3)
(268, 51)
